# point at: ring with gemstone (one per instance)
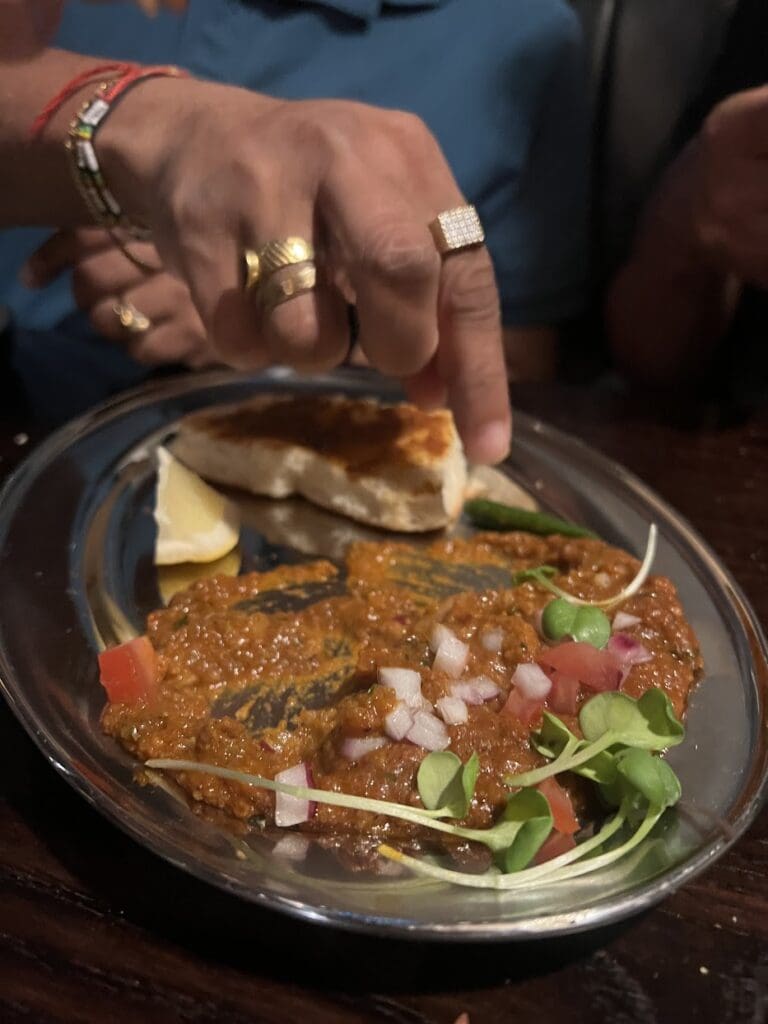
(457, 229)
(131, 319)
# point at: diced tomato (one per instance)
(563, 817)
(597, 670)
(552, 847)
(563, 698)
(524, 709)
(129, 672)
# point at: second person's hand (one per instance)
(150, 314)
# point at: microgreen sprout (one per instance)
(607, 720)
(616, 753)
(533, 575)
(444, 782)
(540, 574)
(524, 824)
(648, 786)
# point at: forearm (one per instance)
(38, 186)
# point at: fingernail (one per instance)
(491, 443)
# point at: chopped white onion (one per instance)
(292, 847)
(405, 682)
(355, 747)
(492, 640)
(451, 657)
(622, 620)
(452, 710)
(602, 580)
(428, 731)
(398, 721)
(439, 633)
(532, 682)
(486, 687)
(475, 691)
(466, 692)
(293, 810)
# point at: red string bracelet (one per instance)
(136, 74)
(82, 136)
(69, 90)
(102, 204)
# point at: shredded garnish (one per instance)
(541, 577)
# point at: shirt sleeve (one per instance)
(542, 256)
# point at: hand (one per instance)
(703, 235)
(721, 179)
(213, 169)
(102, 277)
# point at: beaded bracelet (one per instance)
(97, 196)
(74, 85)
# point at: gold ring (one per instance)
(252, 268)
(130, 318)
(276, 290)
(274, 256)
(457, 229)
(284, 252)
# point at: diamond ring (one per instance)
(457, 229)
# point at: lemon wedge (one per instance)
(173, 578)
(194, 522)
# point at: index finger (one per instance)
(470, 357)
(468, 369)
(62, 250)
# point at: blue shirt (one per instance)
(499, 82)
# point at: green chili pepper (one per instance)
(492, 515)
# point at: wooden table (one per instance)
(94, 929)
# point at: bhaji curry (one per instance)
(269, 670)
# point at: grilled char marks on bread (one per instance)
(394, 466)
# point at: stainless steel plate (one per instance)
(76, 538)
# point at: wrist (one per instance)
(137, 136)
(163, 122)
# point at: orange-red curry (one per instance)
(229, 670)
